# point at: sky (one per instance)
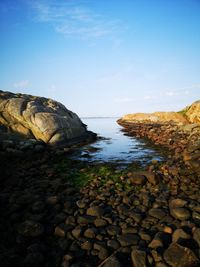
(102, 57)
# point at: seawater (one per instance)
(115, 146)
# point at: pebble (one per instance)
(128, 239)
(180, 213)
(31, 229)
(179, 256)
(138, 258)
(95, 211)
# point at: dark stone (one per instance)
(128, 240)
(179, 256)
(30, 229)
(113, 230)
(157, 213)
(138, 258)
(180, 213)
(95, 211)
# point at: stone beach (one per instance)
(61, 212)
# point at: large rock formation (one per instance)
(190, 114)
(41, 118)
(193, 112)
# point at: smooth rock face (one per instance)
(39, 117)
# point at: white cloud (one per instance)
(23, 84)
(72, 18)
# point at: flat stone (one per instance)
(95, 211)
(31, 229)
(138, 258)
(157, 213)
(179, 256)
(180, 213)
(128, 239)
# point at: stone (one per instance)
(180, 213)
(90, 233)
(177, 203)
(31, 229)
(41, 118)
(157, 213)
(196, 235)
(113, 244)
(137, 179)
(87, 245)
(179, 234)
(59, 231)
(128, 239)
(112, 262)
(138, 258)
(76, 232)
(103, 254)
(100, 222)
(179, 256)
(113, 230)
(95, 211)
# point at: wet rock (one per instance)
(31, 229)
(95, 211)
(138, 258)
(128, 239)
(180, 213)
(179, 256)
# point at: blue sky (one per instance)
(102, 57)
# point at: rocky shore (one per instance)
(61, 212)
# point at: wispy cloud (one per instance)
(23, 84)
(75, 18)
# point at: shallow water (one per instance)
(115, 146)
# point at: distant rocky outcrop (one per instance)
(41, 118)
(190, 114)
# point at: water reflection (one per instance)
(115, 145)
